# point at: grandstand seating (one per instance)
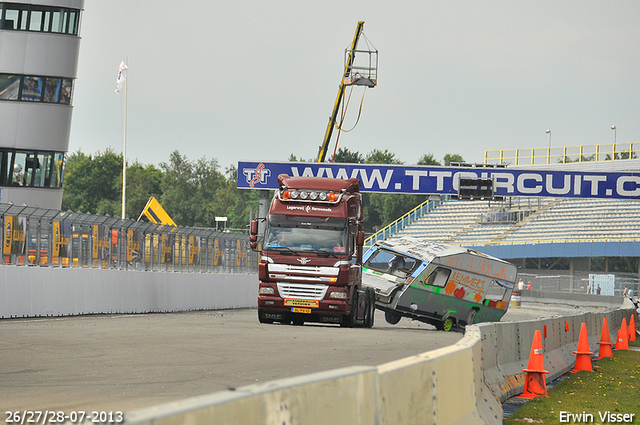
(547, 220)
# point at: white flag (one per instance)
(122, 75)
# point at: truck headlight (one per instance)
(267, 290)
(338, 294)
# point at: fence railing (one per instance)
(580, 282)
(404, 221)
(52, 238)
(563, 154)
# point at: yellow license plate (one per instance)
(290, 302)
(300, 310)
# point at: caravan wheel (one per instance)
(392, 318)
(471, 317)
(447, 324)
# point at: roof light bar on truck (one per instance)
(309, 196)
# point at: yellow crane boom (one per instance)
(347, 79)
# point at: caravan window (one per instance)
(438, 277)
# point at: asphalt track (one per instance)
(126, 362)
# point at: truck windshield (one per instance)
(328, 235)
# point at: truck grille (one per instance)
(308, 292)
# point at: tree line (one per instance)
(194, 192)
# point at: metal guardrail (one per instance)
(52, 238)
(403, 221)
(563, 154)
(539, 241)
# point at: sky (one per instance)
(253, 80)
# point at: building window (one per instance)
(32, 88)
(9, 87)
(56, 21)
(65, 92)
(26, 17)
(31, 168)
(73, 21)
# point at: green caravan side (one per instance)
(444, 285)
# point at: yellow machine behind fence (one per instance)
(155, 213)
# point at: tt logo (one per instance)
(256, 176)
(303, 260)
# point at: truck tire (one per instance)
(349, 320)
(392, 318)
(370, 305)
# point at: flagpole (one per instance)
(124, 149)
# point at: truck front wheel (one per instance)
(370, 305)
(349, 320)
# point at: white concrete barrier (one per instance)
(344, 396)
(44, 291)
(437, 387)
(460, 384)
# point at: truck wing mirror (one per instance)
(360, 238)
(253, 242)
(254, 227)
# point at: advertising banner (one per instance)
(130, 245)
(137, 237)
(416, 179)
(8, 235)
(14, 235)
(95, 241)
(64, 238)
(217, 253)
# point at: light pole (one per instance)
(615, 134)
(549, 133)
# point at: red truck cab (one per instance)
(310, 267)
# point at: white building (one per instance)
(39, 46)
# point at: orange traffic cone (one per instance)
(605, 341)
(583, 358)
(535, 384)
(618, 341)
(623, 339)
(632, 328)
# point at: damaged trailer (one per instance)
(444, 285)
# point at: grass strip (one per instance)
(599, 397)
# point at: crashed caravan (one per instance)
(436, 283)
